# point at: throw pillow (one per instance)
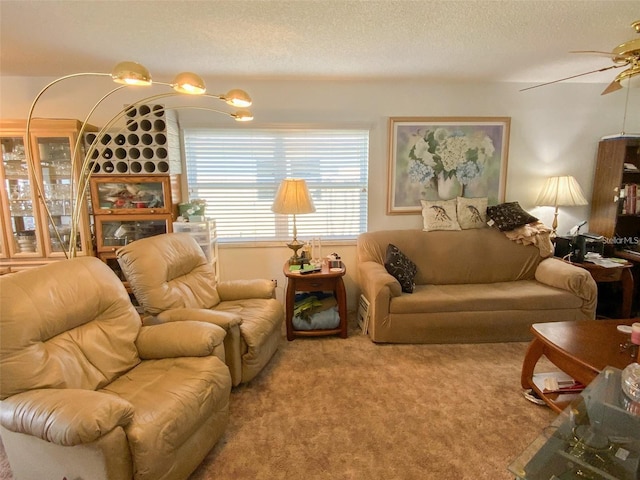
(472, 212)
(508, 216)
(401, 267)
(439, 215)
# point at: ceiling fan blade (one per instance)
(573, 76)
(612, 87)
(613, 56)
(608, 54)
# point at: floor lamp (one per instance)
(560, 192)
(293, 198)
(125, 74)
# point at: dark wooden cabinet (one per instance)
(618, 166)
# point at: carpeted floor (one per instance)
(331, 408)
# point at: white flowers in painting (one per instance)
(449, 152)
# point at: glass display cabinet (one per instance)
(37, 197)
(127, 208)
(597, 437)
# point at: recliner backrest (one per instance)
(69, 324)
(169, 271)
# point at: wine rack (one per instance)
(147, 145)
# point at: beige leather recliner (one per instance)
(88, 392)
(172, 279)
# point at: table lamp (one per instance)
(560, 192)
(293, 198)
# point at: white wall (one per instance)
(554, 130)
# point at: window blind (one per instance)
(237, 173)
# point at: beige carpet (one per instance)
(330, 408)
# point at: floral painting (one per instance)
(443, 158)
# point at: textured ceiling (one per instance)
(481, 40)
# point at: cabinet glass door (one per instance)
(56, 174)
(3, 238)
(21, 224)
(113, 232)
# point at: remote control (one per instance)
(310, 270)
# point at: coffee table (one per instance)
(581, 349)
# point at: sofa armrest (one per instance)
(374, 277)
(226, 320)
(183, 339)
(560, 274)
(378, 287)
(65, 416)
(245, 289)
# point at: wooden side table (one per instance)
(620, 274)
(325, 280)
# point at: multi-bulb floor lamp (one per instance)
(125, 74)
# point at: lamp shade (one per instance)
(242, 116)
(189, 83)
(131, 73)
(237, 98)
(561, 191)
(293, 198)
(626, 78)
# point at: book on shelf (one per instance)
(630, 199)
(557, 382)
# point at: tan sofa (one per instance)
(173, 280)
(88, 392)
(471, 286)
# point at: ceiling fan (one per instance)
(624, 55)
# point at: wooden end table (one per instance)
(581, 349)
(326, 280)
(621, 273)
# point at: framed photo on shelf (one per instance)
(441, 158)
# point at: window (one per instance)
(238, 173)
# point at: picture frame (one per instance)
(440, 158)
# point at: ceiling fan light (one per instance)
(237, 98)
(189, 83)
(242, 116)
(131, 73)
(630, 78)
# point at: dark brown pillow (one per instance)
(508, 216)
(401, 267)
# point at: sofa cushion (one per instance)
(439, 215)
(516, 296)
(172, 398)
(401, 267)
(260, 330)
(508, 216)
(472, 212)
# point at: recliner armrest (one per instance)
(65, 416)
(183, 339)
(245, 289)
(225, 320)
